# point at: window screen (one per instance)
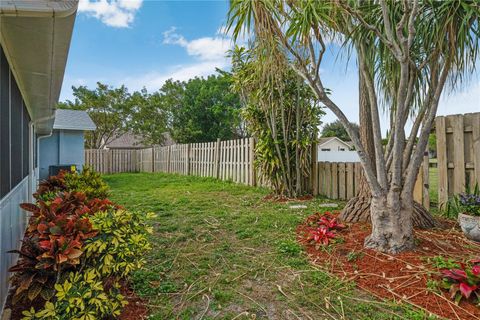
(14, 128)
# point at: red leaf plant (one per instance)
(53, 242)
(463, 282)
(321, 229)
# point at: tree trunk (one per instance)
(392, 227)
(358, 208)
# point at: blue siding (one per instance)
(61, 148)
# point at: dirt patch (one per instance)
(407, 276)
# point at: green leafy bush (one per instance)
(121, 242)
(87, 181)
(78, 245)
(82, 295)
(53, 242)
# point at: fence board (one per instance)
(350, 180)
(459, 155)
(476, 146)
(441, 135)
(341, 181)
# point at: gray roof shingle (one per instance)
(73, 120)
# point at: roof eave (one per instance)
(35, 36)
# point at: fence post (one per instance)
(187, 159)
(426, 181)
(251, 156)
(169, 150)
(314, 176)
(153, 159)
(133, 158)
(440, 131)
(217, 159)
(109, 161)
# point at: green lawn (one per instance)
(221, 252)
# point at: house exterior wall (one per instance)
(333, 145)
(15, 175)
(338, 156)
(61, 148)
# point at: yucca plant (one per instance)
(415, 50)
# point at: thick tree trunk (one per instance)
(358, 208)
(392, 227)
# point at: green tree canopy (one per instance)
(108, 108)
(203, 109)
(336, 129)
(197, 110)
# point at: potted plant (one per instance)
(467, 206)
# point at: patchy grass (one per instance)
(221, 252)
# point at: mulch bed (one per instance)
(401, 277)
(135, 309)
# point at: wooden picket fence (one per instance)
(341, 180)
(224, 160)
(458, 153)
(234, 160)
(112, 161)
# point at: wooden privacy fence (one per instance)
(458, 153)
(234, 160)
(341, 180)
(112, 161)
(225, 160)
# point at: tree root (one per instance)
(358, 210)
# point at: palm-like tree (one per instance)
(412, 49)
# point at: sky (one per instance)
(142, 43)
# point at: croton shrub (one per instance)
(77, 248)
(463, 282)
(321, 229)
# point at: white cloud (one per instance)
(114, 13)
(205, 49)
(209, 53)
(155, 80)
(464, 101)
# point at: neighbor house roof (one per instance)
(323, 141)
(35, 36)
(134, 141)
(126, 141)
(73, 120)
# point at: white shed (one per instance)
(334, 149)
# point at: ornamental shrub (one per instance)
(121, 243)
(87, 181)
(463, 282)
(53, 242)
(76, 249)
(467, 202)
(82, 296)
(321, 229)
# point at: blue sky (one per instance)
(143, 43)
